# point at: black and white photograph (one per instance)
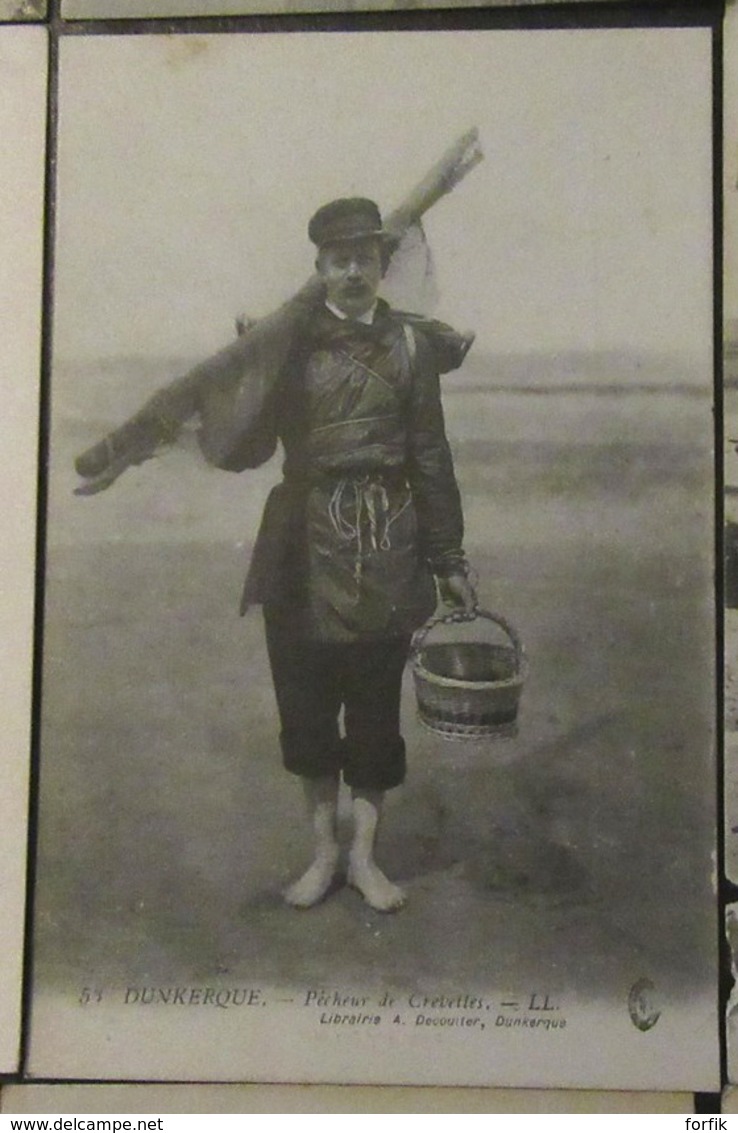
(377, 726)
(22, 170)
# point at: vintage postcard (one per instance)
(328, 1099)
(730, 423)
(23, 126)
(730, 418)
(25, 10)
(267, 247)
(128, 9)
(731, 1010)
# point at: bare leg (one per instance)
(321, 796)
(364, 873)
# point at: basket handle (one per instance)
(457, 616)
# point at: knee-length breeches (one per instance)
(314, 680)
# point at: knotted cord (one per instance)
(370, 508)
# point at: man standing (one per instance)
(367, 519)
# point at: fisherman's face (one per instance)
(352, 272)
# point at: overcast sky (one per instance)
(189, 166)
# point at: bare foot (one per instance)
(376, 889)
(314, 884)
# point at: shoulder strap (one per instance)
(410, 342)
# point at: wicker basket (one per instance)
(469, 689)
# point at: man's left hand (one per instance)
(457, 591)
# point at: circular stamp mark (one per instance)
(642, 1005)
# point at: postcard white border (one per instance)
(23, 61)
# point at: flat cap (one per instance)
(349, 218)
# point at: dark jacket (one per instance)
(369, 508)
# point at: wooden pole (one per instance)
(231, 390)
